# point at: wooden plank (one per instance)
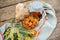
(5, 3)
(7, 13)
(58, 19)
(58, 16)
(2, 23)
(57, 12)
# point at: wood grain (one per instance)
(8, 12)
(6, 3)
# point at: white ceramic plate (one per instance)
(49, 26)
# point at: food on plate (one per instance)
(38, 14)
(34, 32)
(30, 22)
(32, 18)
(28, 38)
(21, 11)
(22, 29)
(17, 32)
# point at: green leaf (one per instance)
(15, 36)
(9, 39)
(13, 20)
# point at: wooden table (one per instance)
(7, 11)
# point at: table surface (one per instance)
(7, 11)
